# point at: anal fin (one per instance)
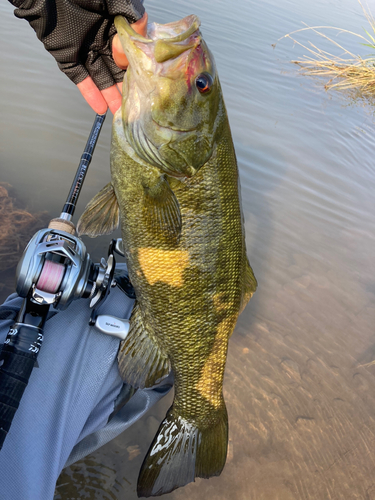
(101, 215)
(140, 360)
(249, 285)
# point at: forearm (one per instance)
(133, 10)
(79, 35)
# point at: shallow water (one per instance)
(299, 382)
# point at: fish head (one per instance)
(172, 101)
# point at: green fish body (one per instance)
(175, 189)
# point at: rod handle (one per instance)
(62, 225)
(18, 357)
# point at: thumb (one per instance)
(118, 53)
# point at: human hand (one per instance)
(111, 96)
(79, 35)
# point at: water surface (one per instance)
(299, 382)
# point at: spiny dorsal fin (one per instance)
(141, 362)
(161, 210)
(101, 215)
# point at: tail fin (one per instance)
(181, 451)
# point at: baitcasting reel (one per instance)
(54, 270)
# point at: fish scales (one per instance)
(175, 180)
(208, 288)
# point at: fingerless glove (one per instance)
(79, 33)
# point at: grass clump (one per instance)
(346, 71)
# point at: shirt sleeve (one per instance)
(79, 33)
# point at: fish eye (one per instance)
(204, 83)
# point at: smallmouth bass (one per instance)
(175, 191)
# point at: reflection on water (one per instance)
(299, 383)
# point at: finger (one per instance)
(93, 96)
(113, 97)
(140, 26)
(118, 54)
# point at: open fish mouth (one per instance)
(164, 42)
(173, 39)
(176, 31)
(170, 33)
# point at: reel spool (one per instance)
(51, 276)
(55, 269)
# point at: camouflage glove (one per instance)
(79, 33)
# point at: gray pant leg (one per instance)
(64, 411)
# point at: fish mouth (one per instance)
(174, 32)
(164, 41)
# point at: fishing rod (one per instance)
(55, 269)
(71, 202)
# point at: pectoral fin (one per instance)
(161, 210)
(141, 362)
(101, 215)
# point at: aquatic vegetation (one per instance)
(345, 71)
(17, 227)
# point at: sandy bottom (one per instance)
(300, 392)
